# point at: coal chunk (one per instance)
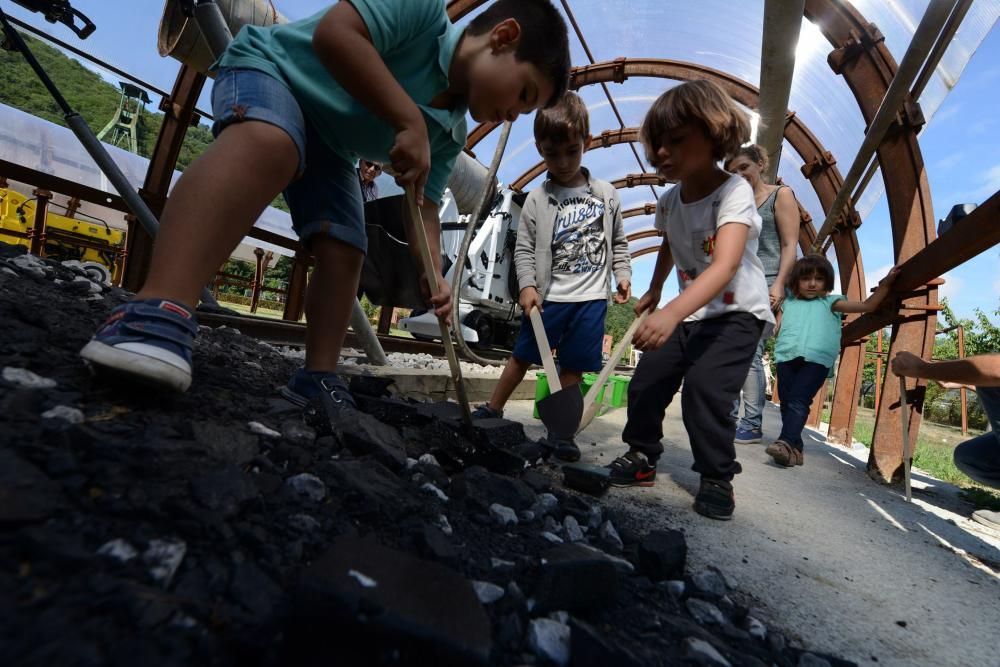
(662, 555)
(591, 649)
(364, 434)
(575, 578)
(483, 488)
(370, 385)
(26, 493)
(224, 490)
(382, 599)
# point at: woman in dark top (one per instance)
(776, 249)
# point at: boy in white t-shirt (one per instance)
(707, 335)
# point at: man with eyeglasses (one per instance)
(367, 173)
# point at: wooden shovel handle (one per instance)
(613, 360)
(545, 350)
(429, 273)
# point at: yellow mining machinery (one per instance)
(72, 236)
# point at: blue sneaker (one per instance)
(746, 436)
(484, 411)
(147, 340)
(305, 387)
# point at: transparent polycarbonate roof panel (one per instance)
(727, 35)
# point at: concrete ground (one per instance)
(836, 560)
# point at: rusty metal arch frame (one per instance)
(819, 169)
(605, 139)
(862, 58)
(867, 67)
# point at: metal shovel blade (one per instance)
(561, 412)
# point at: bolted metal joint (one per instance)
(818, 165)
(859, 41)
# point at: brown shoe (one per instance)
(784, 454)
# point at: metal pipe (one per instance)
(463, 252)
(933, 60)
(923, 41)
(366, 335)
(213, 26)
(782, 24)
(604, 86)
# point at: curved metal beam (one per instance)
(605, 139)
(646, 209)
(645, 251)
(862, 58)
(636, 180)
(645, 234)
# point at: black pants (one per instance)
(798, 382)
(712, 358)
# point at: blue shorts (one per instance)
(325, 197)
(575, 330)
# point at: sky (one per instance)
(960, 145)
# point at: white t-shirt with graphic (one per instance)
(691, 230)
(579, 247)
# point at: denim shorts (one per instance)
(575, 330)
(325, 197)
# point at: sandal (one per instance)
(784, 454)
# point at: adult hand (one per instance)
(624, 292)
(649, 301)
(411, 157)
(776, 295)
(440, 300)
(951, 385)
(530, 298)
(907, 364)
(655, 331)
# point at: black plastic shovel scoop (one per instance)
(561, 410)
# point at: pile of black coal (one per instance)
(226, 527)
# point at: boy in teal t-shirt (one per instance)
(808, 345)
(295, 106)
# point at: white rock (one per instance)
(756, 629)
(622, 565)
(572, 526)
(675, 588)
(22, 377)
(430, 488)
(702, 652)
(704, 612)
(503, 515)
(444, 525)
(488, 593)
(608, 533)
(118, 549)
(501, 564)
(66, 413)
(429, 460)
(710, 583)
(552, 537)
(545, 504)
(550, 640)
(363, 579)
(595, 517)
(94, 287)
(559, 616)
(307, 485)
(410, 463)
(526, 516)
(303, 522)
(163, 558)
(259, 429)
(8, 271)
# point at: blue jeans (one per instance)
(325, 197)
(754, 392)
(798, 382)
(979, 458)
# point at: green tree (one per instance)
(618, 319)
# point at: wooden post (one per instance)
(385, 319)
(295, 303)
(878, 370)
(37, 234)
(962, 391)
(258, 280)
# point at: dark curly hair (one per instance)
(811, 265)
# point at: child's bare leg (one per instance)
(569, 378)
(214, 205)
(512, 375)
(330, 296)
